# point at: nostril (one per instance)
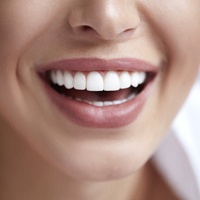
(85, 31)
(88, 31)
(86, 28)
(129, 30)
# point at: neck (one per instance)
(25, 175)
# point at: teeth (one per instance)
(107, 103)
(111, 81)
(135, 79)
(53, 77)
(79, 81)
(142, 77)
(125, 80)
(68, 80)
(97, 103)
(95, 81)
(60, 78)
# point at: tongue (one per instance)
(97, 96)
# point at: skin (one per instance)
(46, 155)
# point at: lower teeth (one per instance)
(102, 103)
(107, 103)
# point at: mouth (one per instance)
(99, 93)
(99, 88)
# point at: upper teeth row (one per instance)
(95, 81)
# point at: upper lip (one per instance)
(98, 64)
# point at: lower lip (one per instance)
(87, 115)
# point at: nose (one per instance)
(104, 19)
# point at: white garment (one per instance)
(178, 157)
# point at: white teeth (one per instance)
(68, 80)
(117, 102)
(78, 99)
(53, 77)
(97, 103)
(95, 81)
(135, 78)
(107, 103)
(111, 81)
(125, 80)
(60, 79)
(79, 81)
(142, 77)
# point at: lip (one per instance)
(91, 64)
(87, 115)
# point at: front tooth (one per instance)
(111, 81)
(60, 79)
(142, 77)
(94, 82)
(68, 80)
(125, 80)
(79, 81)
(108, 103)
(135, 79)
(98, 103)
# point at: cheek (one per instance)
(18, 29)
(177, 23)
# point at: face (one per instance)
(57, 57)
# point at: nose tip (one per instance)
(104, 19)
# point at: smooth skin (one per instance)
(43, 155)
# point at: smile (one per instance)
(97, 82)
(106, 94)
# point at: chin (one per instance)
(102, 164)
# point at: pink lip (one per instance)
(91, 64)
(100, 117)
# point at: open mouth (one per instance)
(105, 88)
(98, 93)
